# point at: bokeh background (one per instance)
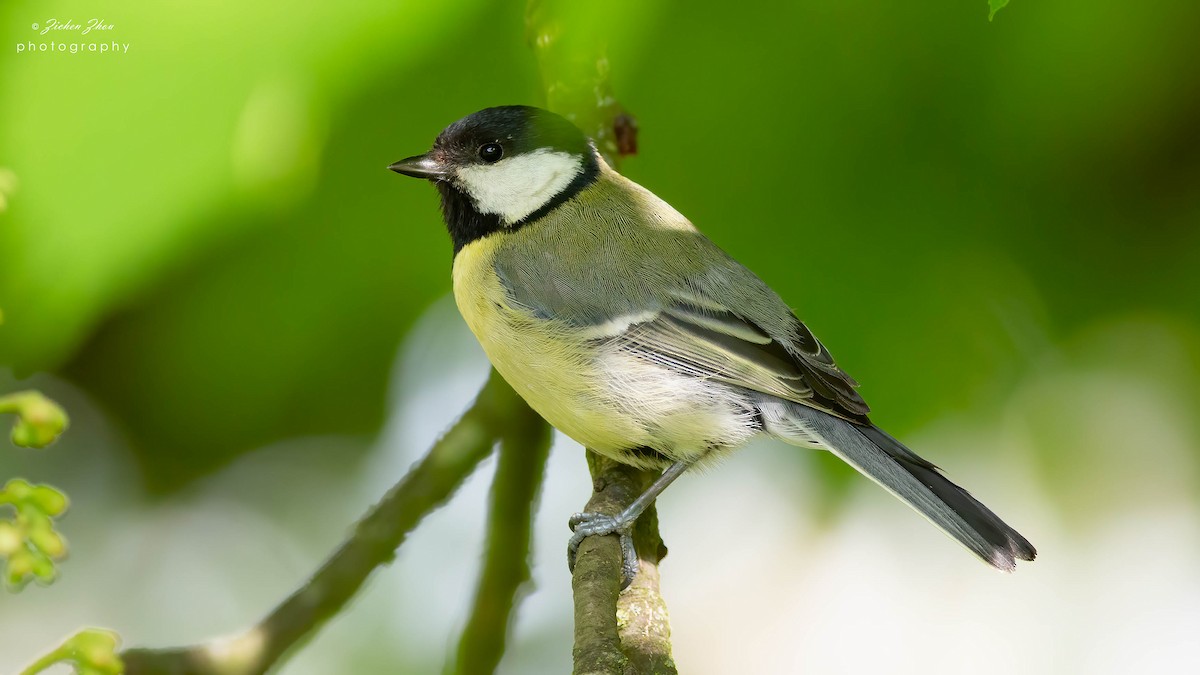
(994, 226)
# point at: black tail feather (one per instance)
(1008, 542)
(902, 472)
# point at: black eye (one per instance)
(491, 152)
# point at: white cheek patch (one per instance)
(517, 186)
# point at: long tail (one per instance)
(900, 471)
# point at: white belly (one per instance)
(606, 398)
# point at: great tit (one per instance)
(632, 333)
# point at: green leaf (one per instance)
(92, 651)
(29, 544)
(39, 420)
(995, 6)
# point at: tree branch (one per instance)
(619, 632)
(519, 472)
(497, 412)
(615, 632)
(568, 39)
(642, 615)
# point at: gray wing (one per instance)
(720, 344)
(706, 315)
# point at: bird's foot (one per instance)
(589, 524)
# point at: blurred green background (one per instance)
(994, 226)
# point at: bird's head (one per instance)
(503, 167)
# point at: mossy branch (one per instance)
(498, 413)
(620, 632)
(515, 487)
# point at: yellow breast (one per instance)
(545, 363)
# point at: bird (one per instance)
(634, 334)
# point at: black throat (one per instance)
(466, 224)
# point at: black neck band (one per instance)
(466, 223)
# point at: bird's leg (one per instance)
(587, 524)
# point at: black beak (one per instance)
(421, 166)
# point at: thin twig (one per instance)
(619, 632)
(373, 543)
(572, 60)
(519, 472)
